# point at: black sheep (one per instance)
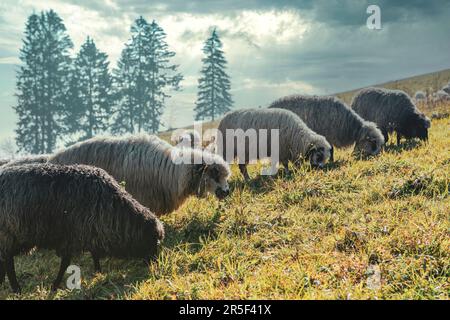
(70, 209)
(392, 110)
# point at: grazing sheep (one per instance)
(211, 147)
(187, 138)
(70, 209)
(27, 160)
(442, 96)
(296, 140)
(392, 110)
(146, 166)
(420, 96)
(340, 125)
(447, 88)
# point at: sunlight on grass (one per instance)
(311, 236)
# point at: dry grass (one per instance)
(360, 229)
(430, 83)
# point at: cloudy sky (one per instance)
(273, 48)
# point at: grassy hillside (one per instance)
(376, 228)
(430, 82)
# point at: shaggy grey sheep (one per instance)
(420, 96)
(442, 96)
(187, 138)
(340, 125)
(70, 209)
(27, 160)
(447, 88)
(296, 140)
(146, 166)
(392, 110)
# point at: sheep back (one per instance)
(72, 209)
(330, 117)
(391, 110)
(295, 138)
(144, 163)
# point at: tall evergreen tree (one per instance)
(124, 94)
(142, 79)
(90, 93)
(42, 83)
(213, 98)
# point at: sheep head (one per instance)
(213, 179)
(370, 140)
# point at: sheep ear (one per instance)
(213, 172)
(311, 149)
(200, 168)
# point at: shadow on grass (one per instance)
(406, 145)
(335, 165)
(260, 184)
(37, 271)
(194, 230)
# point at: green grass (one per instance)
(315, 235)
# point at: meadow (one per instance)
(374, 228)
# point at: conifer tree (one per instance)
(142, 79)
(90, 94)
(213, 98)
(42, 83)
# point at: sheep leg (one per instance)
(399, 136)
(65, 262)
(286, 168)
(2, 272)
(11, 272)
(332, 154)
(243, 168)
(386, 136)
(96, 260)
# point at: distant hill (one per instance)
(430, 82)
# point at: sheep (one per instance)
(392, 110)
(442, 96)
(187, 138)
(70, 209)
(296, 140)
(27, 160)
(446, 89)
(145, 164)
(332, 118)
(420, 96)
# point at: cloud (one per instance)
(273, 48)
(9, 60)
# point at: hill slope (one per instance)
(359, 229)
(430, 82)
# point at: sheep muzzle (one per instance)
(221, 193)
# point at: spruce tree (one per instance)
(142, 79)
(124, 94)
(213, 98)
(42, 83)
(90, 94)
(28, 85)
